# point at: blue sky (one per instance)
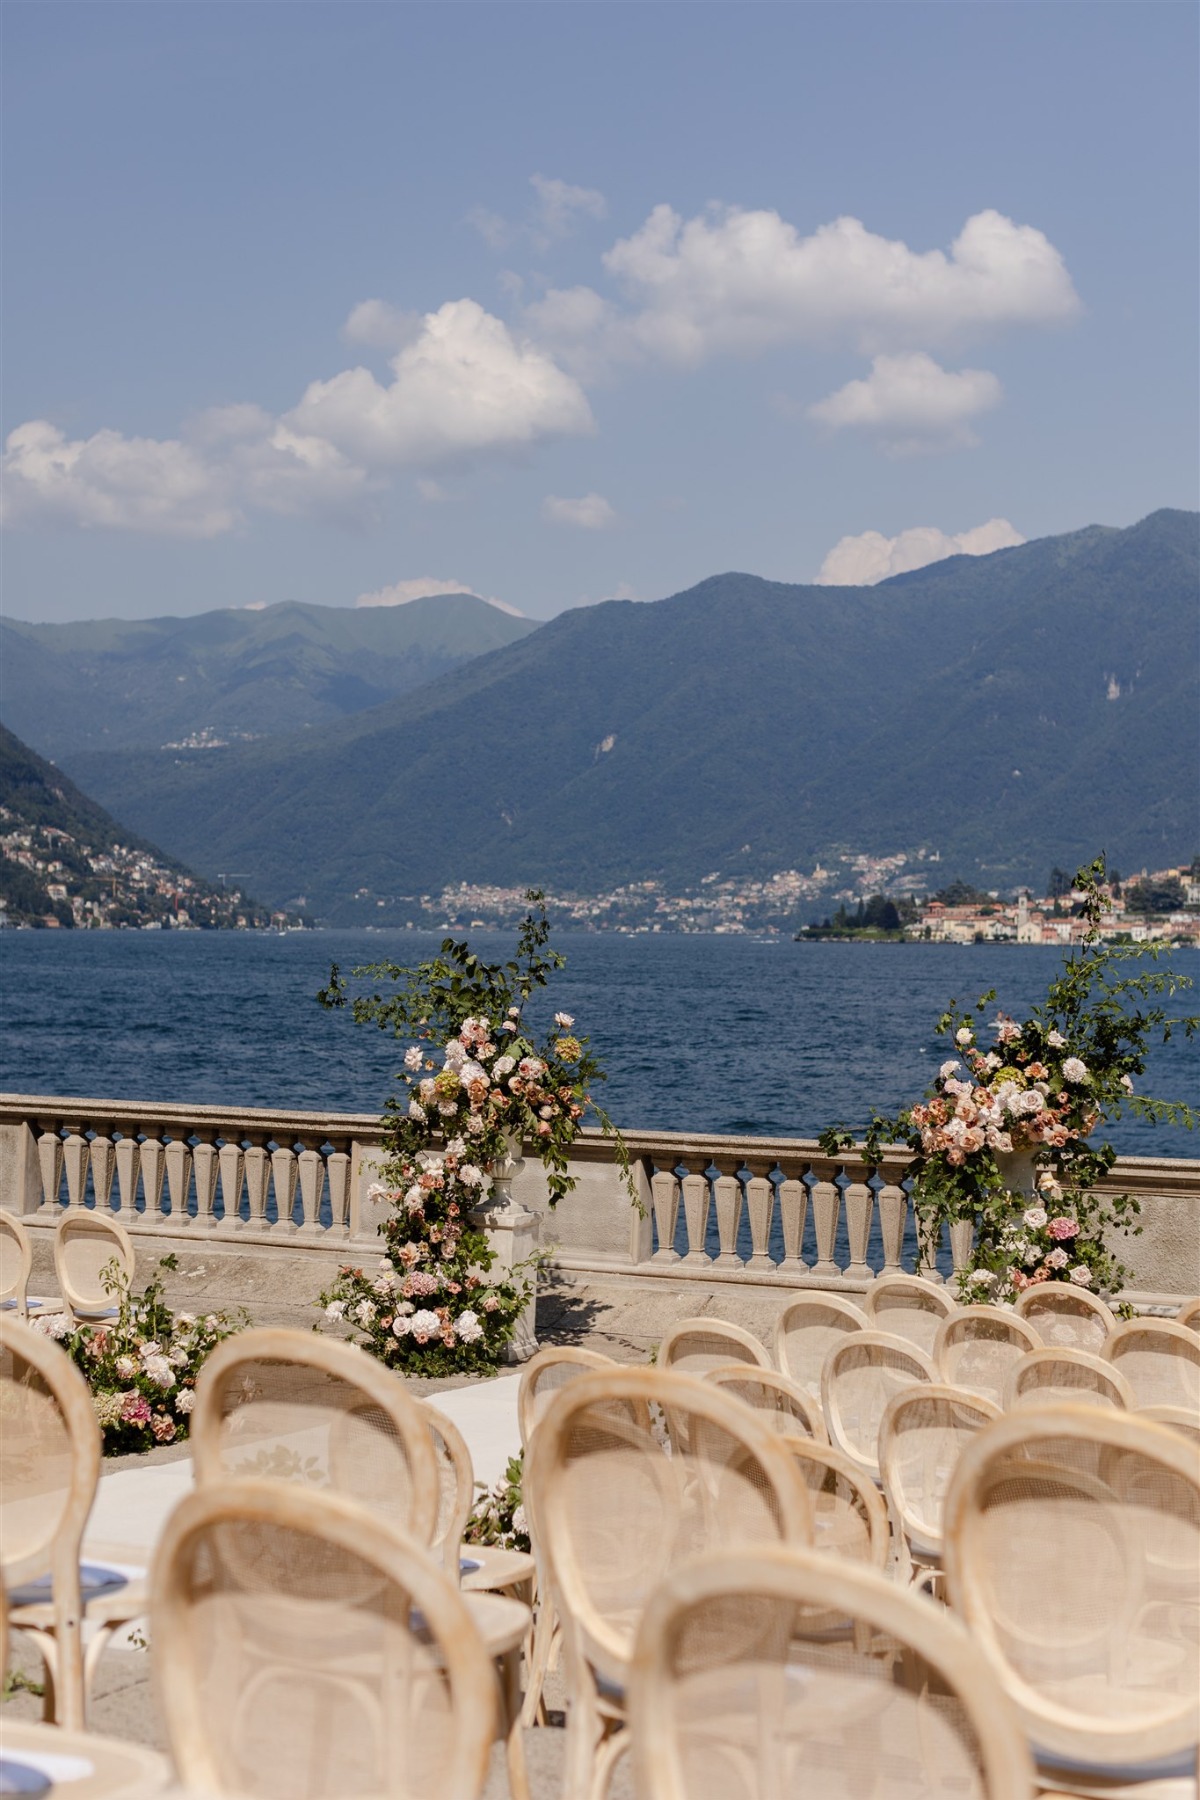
(619, 340)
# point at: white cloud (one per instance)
(911, 402)
(591, 512)
(424, 587)
(381, 325)
(107, 480)
(431, 492)
(559, 204)
(870, 557)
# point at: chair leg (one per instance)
(584, 1730)
(544, 1633)
(611, 1750)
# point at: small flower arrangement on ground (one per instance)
(1057, 1238)
(498, 1517)
(141, 1366)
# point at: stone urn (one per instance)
(1018, 1171)
(512, 1235)
(498, 1202)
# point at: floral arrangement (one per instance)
(1044, 1242)
(475, 1086)
(141, 1366)
(498, 1517)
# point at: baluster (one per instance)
(860, 1204)
(825, 1202)
(337, 1166)
(793, 1209)
(697, 1196)
(962, 1242)
(258, 1175)
(153, 1159)
(127, 1159)
(729, 1211)
(75, 1161)
(312, 1186)
(283, 1179)
(178, 1158)
(232, 1165)
(50, 1166)
(893, 1215)
(664, 1186)
(103, 1161)
(204, 1164)
(760, 1202)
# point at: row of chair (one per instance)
(85, 1243)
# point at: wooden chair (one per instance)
(293, 1407)
(1178, 1418)
(861, 1375)
(545, 1373)
(615, 1514)
(85, 1243)
(1065, 1317)
(478, 1568)
(737, 1693)
(807, 1330)
(16, 1261)
(305, 1647)
(1160, 1360)
(908, 1307)
(1050, 1377)
(849, 1515)
(1189, 1314)
(694, 1346)
(976, 1346)
(1080, 1589)
(923, 1434)
(50, 1452)
(787, 1406)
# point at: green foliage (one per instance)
(498, 1517)
(1155, 897)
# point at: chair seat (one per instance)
(485, 1569)
(48, 1761)
(111, 1591)
(1167, 1778)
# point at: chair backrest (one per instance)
(1189, 1314)
(787, 1406)
(923, 1434)
(1179, 1418)
(615, 1512)
(304, 1647)
(849, 1514)
(806, 1331)
(1159, 1359)
(738, 1694)
(1049, 1377)
(456, 1489)
(1073, 1556)
(861, 1375)
(1065, 1317)
(291, 1406)
(84, 1245)
(49, 1467)
(16, 1260)
(976, 1346)
(545, 1373)
(694, 1346)
(908, 1307)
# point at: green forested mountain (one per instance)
(234, 674)
(1008, 711)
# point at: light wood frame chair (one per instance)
(1159, 1359)
(1065, 1317)
(1178, 1418)
(1063, 1377)
(807, 1330)
(909, 1307)
(478, 1568)
(1072, 1546)
(614, 1512)
(545, 1373)
(1189, 1314)
(849, 1514)
(976, 1345)
(329, 1603)
(865, 1372)
(775, 1395)
(85, 1242)
(694, 1346)
(732, 1671)
(921, 1437)
(16, 1261)
(50, 1455)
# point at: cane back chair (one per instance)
(1159, 1359)
(545, 1373)
(694, 1346)
(1065, 1317)
(807, 1330)
(860, 1376)
(923, 1433)
(908, 1307)
(976, 1346)
(85, 1243)
(768, 1391)
(1060, 1377)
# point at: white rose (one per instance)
(185, 1400)
(1081, 1275)
(1036, 1217)
(424, 1325)
(400, 1325)
(1074, 1069)
(364, 1312)
(503, 1065)
(412, 1058)
(335, 1309)
(949, 1068)
(158, 1370)
(565, 1020)
(963, 1036)
(416, 1111)
(467, 1327)
(1056, 1040)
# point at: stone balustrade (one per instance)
(713, 1210)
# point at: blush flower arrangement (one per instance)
(1055, 1239)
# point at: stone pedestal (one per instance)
(512, 1235)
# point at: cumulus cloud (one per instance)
(910, 402)
(424, 587)
(381, 325)
(559, 203)
(870, 557)
(591, 512)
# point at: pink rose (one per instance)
(135, 1409)
(1062, 1228)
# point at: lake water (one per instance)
(711, 1034)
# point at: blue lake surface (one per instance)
(712, 1034)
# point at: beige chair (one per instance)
(694, 1346)
(545, 1373)
(1160, 1360)
(1177, 1417)
(16, 1261)
(738, 1694)
(1050, 1377)
(976, 1346)
(305, 1649)
(1189, 1314)
(1080, 1589)
(50, 1454)
(849, 1515)
(85, 1243)
(922, 1436)
(787, 1406)
(908, 1307)
(861, 1375)
(615, 1513)
(807, 1330)
(1065, 1317)
(295, 1407)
